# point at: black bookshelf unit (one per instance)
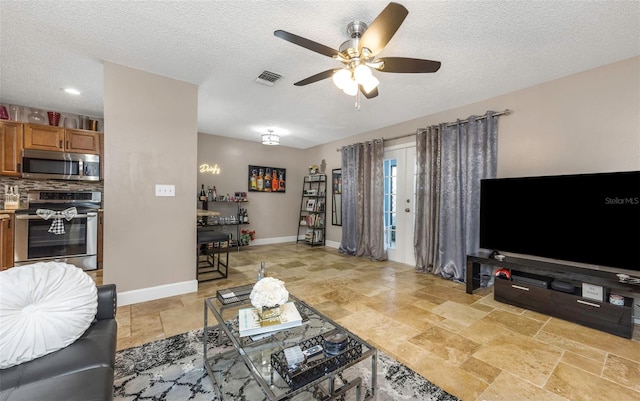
(528, 287)
(313, 210)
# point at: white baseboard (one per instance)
(153, 293)
(276, 240)
(332, 244)
(185, 287)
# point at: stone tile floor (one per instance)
(470, 345)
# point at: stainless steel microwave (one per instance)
(60, 165)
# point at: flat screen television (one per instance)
(592, 219)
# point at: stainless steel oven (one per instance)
(59, 226)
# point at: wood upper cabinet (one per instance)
(45, 137)
(6, 241)
(82, 141)
(10, 148)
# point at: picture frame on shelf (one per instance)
(266, 179)
(594, 292)
(310, 205)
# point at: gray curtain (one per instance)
(448, 215)
(362, 202)
(469, 154)
(349, 242)
(427, 223)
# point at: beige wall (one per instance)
(583, 123)
(587, 122)
(273, 215)
(150, 138)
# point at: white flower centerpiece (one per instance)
(267, 295)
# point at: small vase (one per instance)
(54, 118)
(15, 113)
(37, 117)
(70, 123)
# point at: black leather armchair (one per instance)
(83, 371)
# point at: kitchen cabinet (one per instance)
(10, 148)
(58, 139)
(82, 141)
(7, 223)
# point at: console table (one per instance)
(572, 307)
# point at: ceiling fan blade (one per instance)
(369, 95)
(306, 43)
(408, 65)
(315, 78)
(382, 29)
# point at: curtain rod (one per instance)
(506, 112)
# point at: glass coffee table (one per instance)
(323, 377)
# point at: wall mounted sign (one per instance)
(267, 179)
(206, 168)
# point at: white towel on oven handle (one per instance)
(57, 225)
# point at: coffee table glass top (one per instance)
(264, 354)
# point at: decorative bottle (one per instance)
(254, 181)
(263, 271)
(261, 180)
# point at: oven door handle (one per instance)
(35, 217)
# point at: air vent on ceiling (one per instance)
(268, 78)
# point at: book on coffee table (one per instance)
(250, 324)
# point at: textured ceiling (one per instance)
(487, 48)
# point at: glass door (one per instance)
(399, 200)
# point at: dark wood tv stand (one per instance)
(603, 316)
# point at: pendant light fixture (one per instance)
(270, 138)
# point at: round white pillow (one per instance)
(44, 307)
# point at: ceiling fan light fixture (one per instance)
(361, 73)
(341, 78)
(370, 83)
(351, 88)
(270, 138)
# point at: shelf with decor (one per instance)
(312, 220)
(232, 216)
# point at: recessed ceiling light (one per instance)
(72, 91)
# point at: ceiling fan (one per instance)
(358, 54)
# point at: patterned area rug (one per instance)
(172, 370)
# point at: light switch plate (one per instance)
(165, 190)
